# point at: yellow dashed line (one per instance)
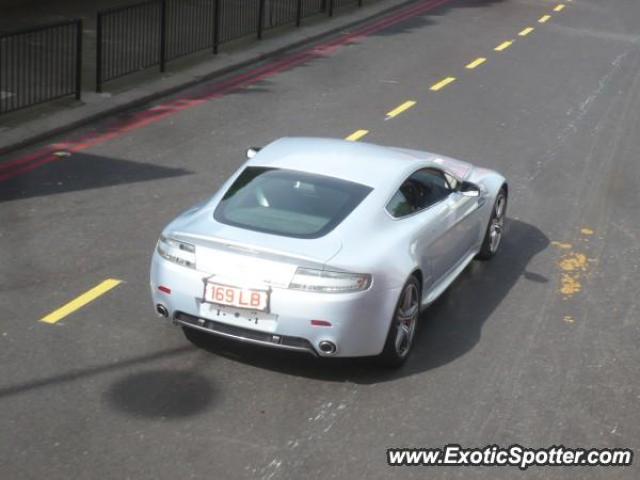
(526, 31)
(558, 8)
(81, 301)
(442, 83)
(357, 135)
(477, 62)
(401, 108)
(503, 46)
(544, 19)
(586, 231)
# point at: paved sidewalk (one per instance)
(21, 128)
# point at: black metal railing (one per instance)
(40, 64)
(129, 39)
(345, 3)
(190, 26)
(143, 35)
(239, 18)
(282, 12)
(313, 7)
(45, 63)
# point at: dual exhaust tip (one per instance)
(162, 310)
(327, 347)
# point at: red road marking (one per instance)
(215, 90)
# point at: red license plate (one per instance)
(237, 297)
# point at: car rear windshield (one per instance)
(288, 203)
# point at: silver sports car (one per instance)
(327, 246)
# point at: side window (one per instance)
(399, 206)
(424, 188)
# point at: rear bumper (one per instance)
(244, 335)
(359, 321)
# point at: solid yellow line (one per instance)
(357, 135)
(401, 108)
(442, 83)
(478, 61)
(544, 18)
(81, 301)
(503, 46)
(558, 8)
(526, 31)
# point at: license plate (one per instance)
(236, 297)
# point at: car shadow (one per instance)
(82, 171)
(449, 328)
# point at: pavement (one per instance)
(538, 347)
(24, 127)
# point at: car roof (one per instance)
(365, 163)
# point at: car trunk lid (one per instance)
(237, 255)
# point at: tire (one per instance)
(403, 326)
(495, 228)
(197, 337)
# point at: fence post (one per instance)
(359, 3)
(331, 8)
(163, 33)
(299, 13)
(78, 59)
(216, 26)
(99, 53)
(260, 18)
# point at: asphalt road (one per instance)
(538, 347)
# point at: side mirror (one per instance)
(253, 151)
(469, 189)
